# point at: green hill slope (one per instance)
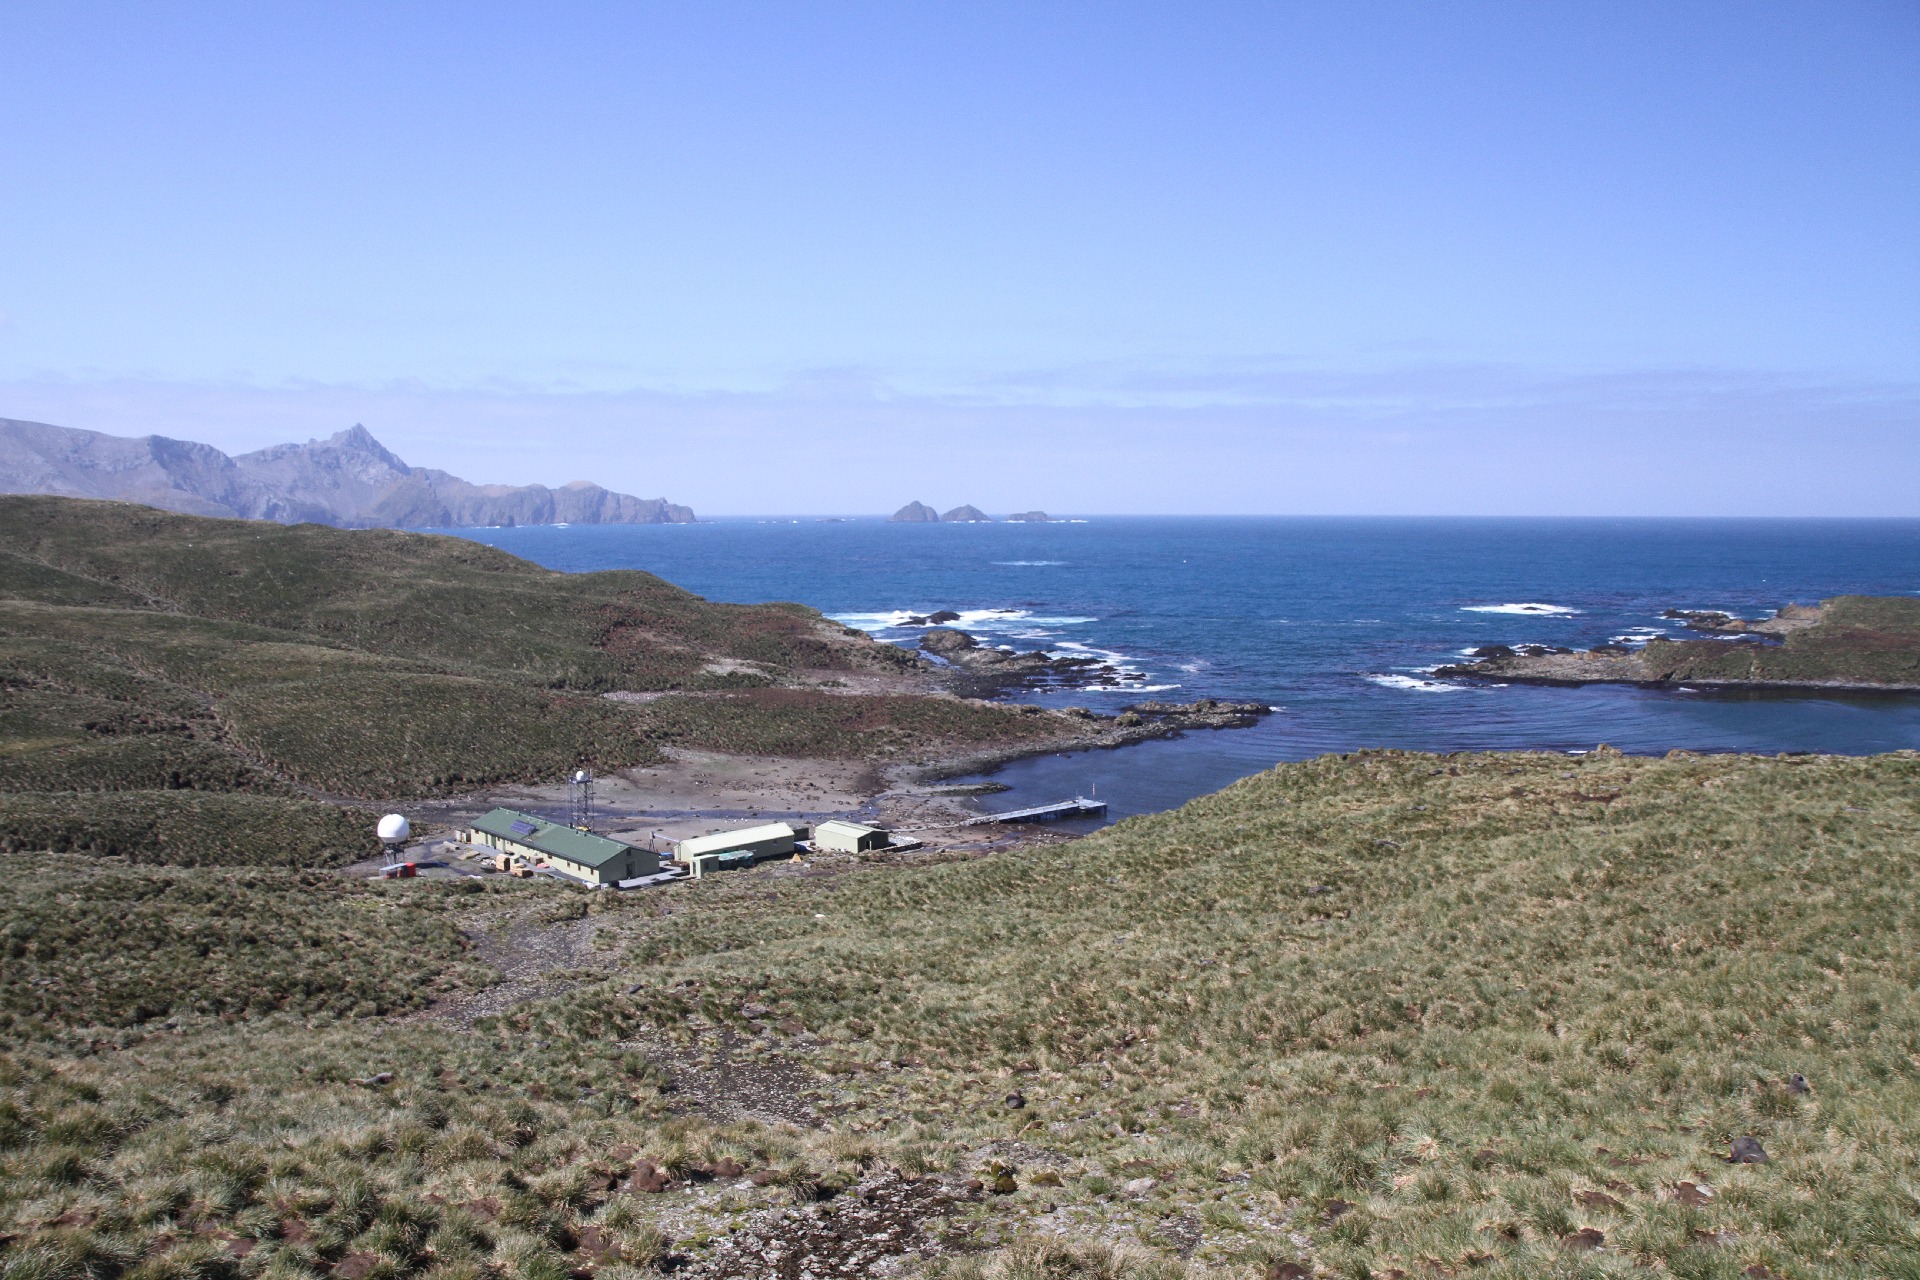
(1365, 1016)
(143, 650)
(1486, 1001)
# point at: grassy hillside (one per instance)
(1365, 1016)
(90, 950)
(1486, 1001)
(143, 652)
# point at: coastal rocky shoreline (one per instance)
(977, 670)
(1864, 644)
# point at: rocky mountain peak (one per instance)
(916, 513)
(348, 479)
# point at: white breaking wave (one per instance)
(1416, 685)
(1548, 610)
(1002, 620)
(1030, 562)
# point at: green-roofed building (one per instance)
(582, 855)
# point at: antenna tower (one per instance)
(580, 800)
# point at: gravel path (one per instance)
(525, 953)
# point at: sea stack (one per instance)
(1029, 517)
(916, 513)
(965, 515)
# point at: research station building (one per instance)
(732, 850)
(578, 854)
(849, 837)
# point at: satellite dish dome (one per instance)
(394, 828)
(580, 775)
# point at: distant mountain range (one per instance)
(350, 480)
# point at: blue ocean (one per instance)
(1338, 623)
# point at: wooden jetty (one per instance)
(1078, 807)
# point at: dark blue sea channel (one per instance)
(1336, 621)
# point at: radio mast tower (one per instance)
(580, 800)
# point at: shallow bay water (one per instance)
(1337, 622)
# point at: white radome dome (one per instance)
(394, 828)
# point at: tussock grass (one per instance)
(93, 949)
(206, 1152)
(802, 722)
(386, 734)
(141, 650)
(1456, 993)
(446, 602)
(188, 828)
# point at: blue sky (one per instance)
(1349, 257)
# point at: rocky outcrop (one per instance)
(1789, 618)
(1868, 643)
(349, 479)
(976, 670)
(1029, 517)
(965, 515)
(916, 513)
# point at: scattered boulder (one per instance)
(1797, 1083)
(597, 1244)
(916, 513)
(946, 641)
(1138, 1187)
(1747, 1150)
(378, 1080)
(648, 1179)
(1333, 1209)
(999, 1177)
(754, 1011)
(1015, 1101)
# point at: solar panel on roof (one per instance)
(522, 827)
